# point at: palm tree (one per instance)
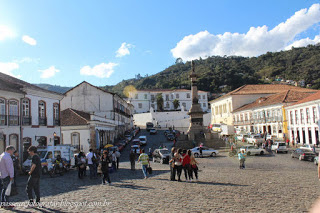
(176, 103)
(159, 102)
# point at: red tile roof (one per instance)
(71, 117)
(313, 97)
(289, 96)
(167, 90)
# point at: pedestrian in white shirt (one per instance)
(92, 163)
(114, 160)
(118, 158)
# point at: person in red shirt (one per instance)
(186, 164)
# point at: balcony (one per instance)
(42, 121)
(56, 122)
(13, 120)
(26, 121)
(3, 120)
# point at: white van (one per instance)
(143, 140)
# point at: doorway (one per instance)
(303, 136)
(310, 136)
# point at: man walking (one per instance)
(92, 160)
(144, 158)
(7, 175)
(34, 177)
(118, 158)
(132, 160)
(114, 160)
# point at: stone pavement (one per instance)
(273, 183)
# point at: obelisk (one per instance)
(195, 112)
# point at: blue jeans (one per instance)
(93, 170)
(144, 170)
(3, 187)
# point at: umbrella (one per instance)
(108, 145)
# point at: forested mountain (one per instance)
(223, 74)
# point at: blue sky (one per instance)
(65, 42)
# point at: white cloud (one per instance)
(6, 32)
(256, 41)
(8, 68)
(49, 73)
(26, 60)
(27, 39)
(102, 70)
(304, 42)
(124, 49)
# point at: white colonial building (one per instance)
(93, 117)
(29, 115)
(222, 107)
(303, 120)
(143, 100)
(267, 114)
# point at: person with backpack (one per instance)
(92, 163)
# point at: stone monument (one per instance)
(195, 112)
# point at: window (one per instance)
(26, 108)
(56, 111)
(308, 115)
(2, 112)
(177, 96)
(145, 96)
(296, 116)
(13, 113)
(188, 95)
(301, 116)
(241, 117)
(184, 105)
(203, 97)
(204, 105)
(136, 96)
(199, 97)
(42, 109)
(245, 116)
(216, 110)
(152, 97)
(230, 107)
(314, 114)
(75, 139)
(152, 105)
(140, 105)
(167, 97)
(291, 117)
(167, 105)
(171, 96)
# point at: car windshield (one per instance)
(42, 154)
(164, 152)
(282, 144)
(142, 139)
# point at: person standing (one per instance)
(193, 165)
(171, 163)
(144, 159)
(114, 160)
(34, 177)
(118, 158)
(92, 160)
(186, 165)
(82, 164)
(178, 164)
(6, 175)
(200, 150)
(132, 160)
(16, 166)
(242, 159)
(105, 160)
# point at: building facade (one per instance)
(29, 115)
(222, 108)
(303, 120)
(143, 100)
(105, 116)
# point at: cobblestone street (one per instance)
(274, 183)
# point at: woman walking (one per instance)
(105, 160)
(178, 164)
(82, 164)
(193, 166)
(242, 159)
(186, 165)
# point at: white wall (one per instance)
(84, 136)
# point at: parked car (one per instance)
(255, 139)
(143, 140)
(303, 154)
(279, 147)
(153, 131)
(252, 150)
(128, 137)
(206, 152)
(136, 149)
(242, 137)
(136, 142)
(166, 132)
(316, 160)
(170, 137)
(161, 155)
(309, 147)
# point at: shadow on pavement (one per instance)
(132, 186)
(205, 183)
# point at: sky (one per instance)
(103, 42)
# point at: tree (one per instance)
(160, 102)
(176, 103)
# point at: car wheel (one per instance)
(248, 153)
(300, 157)
(262, 153)
(213, 154)
(45, 170)
(196, 155)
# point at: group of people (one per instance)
(94, 160)
(9, 162)
(182, 160)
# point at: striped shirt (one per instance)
(143, 158)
